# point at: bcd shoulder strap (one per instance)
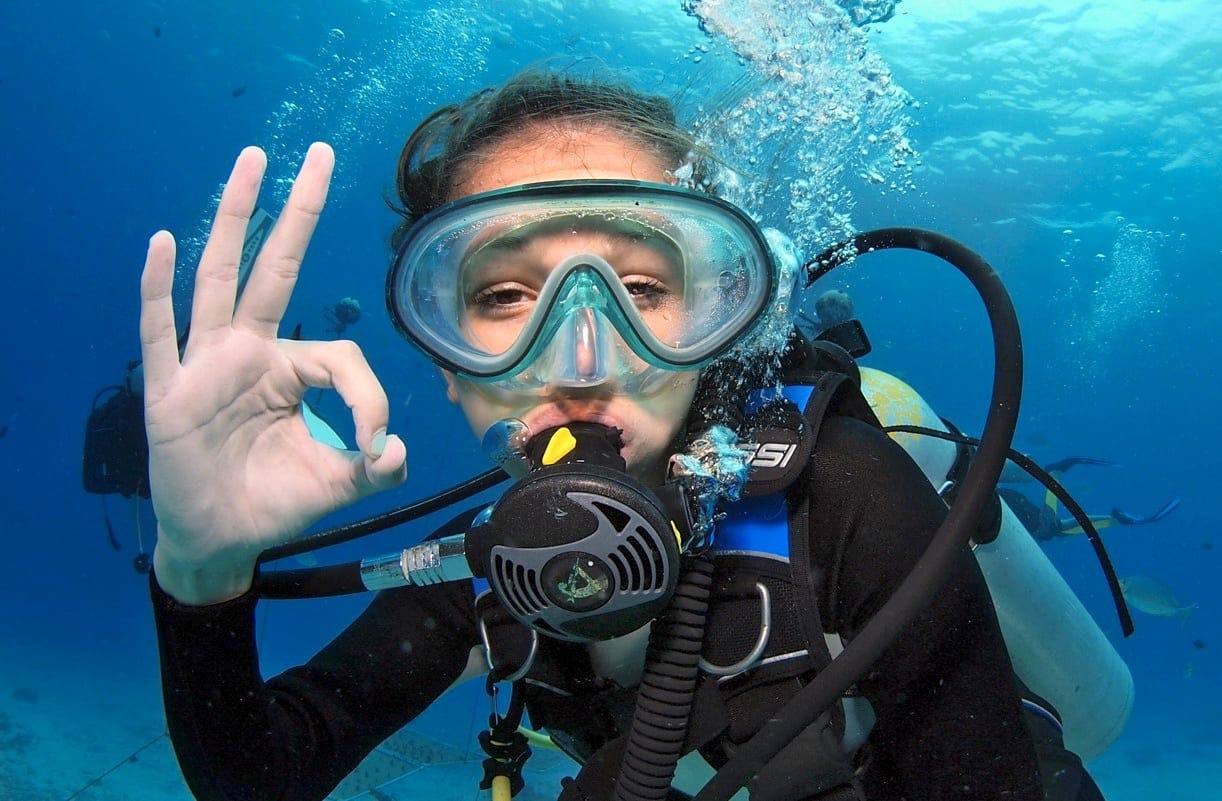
(783, 429)
(783, 426)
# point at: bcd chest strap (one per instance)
(730, 710)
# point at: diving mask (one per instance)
(579, 282)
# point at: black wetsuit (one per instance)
(948, 715)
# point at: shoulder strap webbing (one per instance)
(835, 393)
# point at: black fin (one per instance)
(1134, 520)
(1062, 465)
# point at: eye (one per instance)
(501, 300)
(648, 293)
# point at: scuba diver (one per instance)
(686, 546)
(832, 308)
(115, 458)
(1045, 522)
(341, 314)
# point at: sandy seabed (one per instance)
(82, 731)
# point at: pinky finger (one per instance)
(158, 336)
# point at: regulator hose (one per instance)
(668, 688)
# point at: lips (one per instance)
(545, 417)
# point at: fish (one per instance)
(1153, 597)
(293, 58)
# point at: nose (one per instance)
(581, 350)
(585, 346)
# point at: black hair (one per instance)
(443, 147)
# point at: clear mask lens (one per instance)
(488, 284)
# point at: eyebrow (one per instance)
(516, 239)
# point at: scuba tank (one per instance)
(1057, 648)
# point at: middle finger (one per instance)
(275, 273)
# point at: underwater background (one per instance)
(1075, 145)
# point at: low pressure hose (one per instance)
(931, 570)
(668, 688)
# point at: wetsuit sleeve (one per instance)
(948, 714)
(298, 734)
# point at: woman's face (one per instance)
(650, 422)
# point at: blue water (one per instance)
(1074, 144)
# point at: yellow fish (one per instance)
(1153, 597)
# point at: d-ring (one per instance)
(526, 665)
(748, 661)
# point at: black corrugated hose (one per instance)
(668, 688)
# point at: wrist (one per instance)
(200, 583)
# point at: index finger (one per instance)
(342, 366)
(216, 278)
(275, 272)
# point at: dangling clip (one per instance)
(505, 746)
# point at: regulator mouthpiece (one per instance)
(577, 443)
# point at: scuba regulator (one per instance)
(577, 549)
